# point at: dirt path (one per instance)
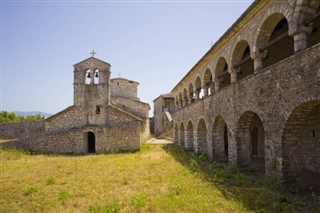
(159, 141)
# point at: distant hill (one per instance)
(46, 115)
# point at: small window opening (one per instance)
(97, 110)
(314, 133)
(118, 83)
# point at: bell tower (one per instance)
(92, 88)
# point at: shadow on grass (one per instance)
(255, 192)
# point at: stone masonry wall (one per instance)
(109, 138)
(139, 108)
(118, 137)
(73, 116)
(272, 94)
(21, 129)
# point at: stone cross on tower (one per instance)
(93, 53)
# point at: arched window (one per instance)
(88, 77)
(96, 76)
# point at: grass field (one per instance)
(160, 178)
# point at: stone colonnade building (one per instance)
(107, 116)
(254, 98)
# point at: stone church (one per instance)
(107, 116)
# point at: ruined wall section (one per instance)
(21, 129)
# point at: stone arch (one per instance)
(181, 135)
(201, 139)
(222, 75)
(185, 96)
(198, 88)
(250, 137)
(273, 42)
(191, 92)
(208, 82)
(177, 101)
(176, 134)
(241, 60)
(189, 145)
(313, 37)
(301, 145)
(180, 100)
(220, 143)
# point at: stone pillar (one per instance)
(190, 99)
(205, 90)
(232, 146)
(233, 74)
(196, 94)
(300, 41)
(196, 142)
(212, 88)
(217, 85)
(92, 76)
(257, 60)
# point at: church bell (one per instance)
(96, 75)
(88, 76)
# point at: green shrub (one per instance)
(51, 181)
(63, 195)
(139, 200)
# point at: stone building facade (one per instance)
(162, 119)
(107, 116)
(254, 98)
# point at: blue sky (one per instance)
(153, 42)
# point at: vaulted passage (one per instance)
(220, 140)
(251, 142)
(223, 78)
(181, 135)
(189, 137)
(301, 145)
(314, 37)
(91, 142)
(242, 60)
(201, 142)
(274, 42)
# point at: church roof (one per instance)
(123, 79)
(92, 58)
(167, 95)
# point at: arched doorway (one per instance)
(301, 145)
(251, 142)
(220, 140)
(91, 142)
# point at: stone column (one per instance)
(217, 85)
(257, 60)
(300, 41)
(205, 90)
(233, 74)
(92, 76)
(196, 94)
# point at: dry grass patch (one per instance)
(157, 179)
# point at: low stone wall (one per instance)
(21, 129)
(109, 138)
